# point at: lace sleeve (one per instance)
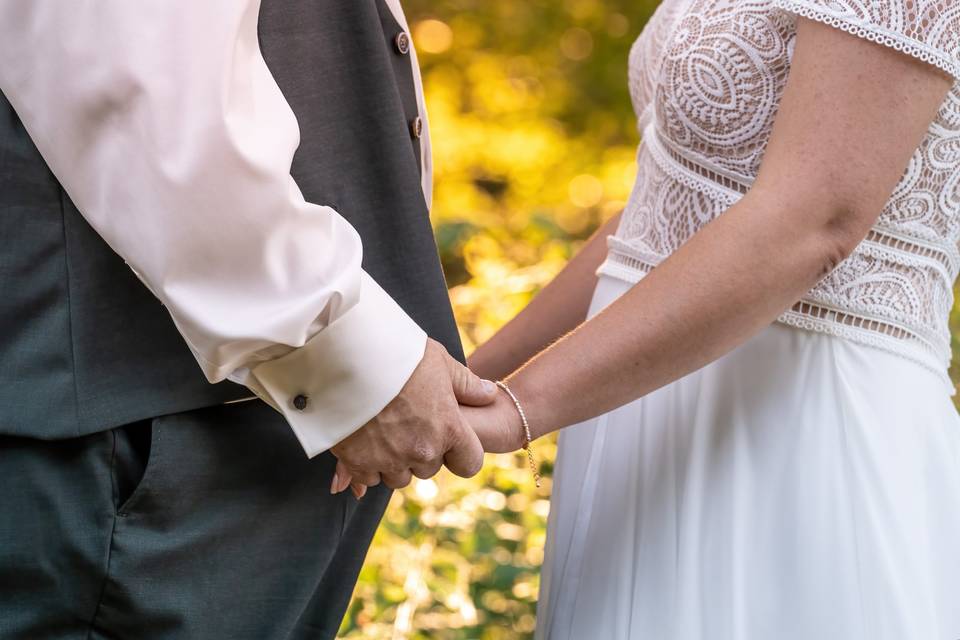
(925, 29)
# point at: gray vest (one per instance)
(85, 347)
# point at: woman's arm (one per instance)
(851, 116)
(555, 311)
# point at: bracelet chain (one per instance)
(526, 431)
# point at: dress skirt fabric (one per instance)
(801, 487)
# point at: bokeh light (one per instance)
(432, 36)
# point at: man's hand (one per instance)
(419, 431)
(497, 425)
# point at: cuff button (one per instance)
(300, 402)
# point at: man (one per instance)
(236, 157)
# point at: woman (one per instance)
(747, 466)
(765, 445)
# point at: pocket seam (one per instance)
(149, 471)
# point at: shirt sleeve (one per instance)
(165, 127)
(925, 29)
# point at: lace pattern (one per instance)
(706, 77)
(925, 29)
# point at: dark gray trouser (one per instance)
(203, 525)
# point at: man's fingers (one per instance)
(369, 478)
(468, 387)
(359, 490)
(465, 457)
(397, 480)
(427, 470)
(341, 478)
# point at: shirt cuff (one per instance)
(347, 373)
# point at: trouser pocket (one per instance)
(135, 453)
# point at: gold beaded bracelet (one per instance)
(526, 431)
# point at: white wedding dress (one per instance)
(806, 485)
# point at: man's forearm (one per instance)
(167, 130)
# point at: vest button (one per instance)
(402, 43)
(300, 402)
(416, 127)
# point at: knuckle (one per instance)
(367, 478)
(424, 452)
(423, 474)
(398, 482)
(426, 470)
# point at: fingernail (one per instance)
(489, 388)
(335, 482)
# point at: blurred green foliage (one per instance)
(534, 141)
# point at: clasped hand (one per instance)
(444, 415)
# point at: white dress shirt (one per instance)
(166, 129)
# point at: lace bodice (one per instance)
(706, 78)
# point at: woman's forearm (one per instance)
(732, 279)
(555, 311)
(846, 128)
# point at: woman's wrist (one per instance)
(512, 422)
(530, 398)
(526, 437)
